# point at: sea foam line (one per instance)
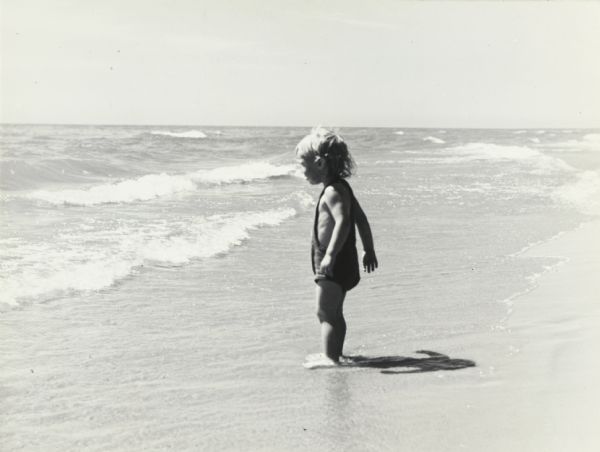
(153, 186)
(96, 256)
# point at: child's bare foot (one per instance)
(345, 359)
(319, 361)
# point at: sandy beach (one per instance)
(540, 391)
(551, 389)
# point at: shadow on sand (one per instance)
(434, 362)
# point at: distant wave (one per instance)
(399, 132)
(582, 194)
(538, 162)
(156, 185)
(434, 140)
(99, 254)
(491, 151)
(589, 142)
(188, 134)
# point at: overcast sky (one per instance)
(261, 62)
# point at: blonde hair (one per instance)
(329, 145)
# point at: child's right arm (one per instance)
(364, 230)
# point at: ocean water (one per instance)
(156, 290)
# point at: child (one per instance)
(326, 160)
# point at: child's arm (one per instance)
(364, 230)
(340, 212)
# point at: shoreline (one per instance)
(547, 396)
(557, 325)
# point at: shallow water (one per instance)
(156, 287)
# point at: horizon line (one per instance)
(290, 126)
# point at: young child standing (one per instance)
(326, 160)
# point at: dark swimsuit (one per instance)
(345, 269)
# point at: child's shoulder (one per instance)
(338, 189)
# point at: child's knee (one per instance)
(326, 315)
(323, 315)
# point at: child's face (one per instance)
(315, 168)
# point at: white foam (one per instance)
(95, 257)
(583, 194)
(141, 189)
(156, 185)
(490, 151)
(533, 283)
(538, 162)
(214, 236)
(301, 199)
(188, 134)
(434, 140)
(243, 173)
(399, 132)
(592, 138)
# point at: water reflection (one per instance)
(338, 410)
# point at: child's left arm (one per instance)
(364, 230)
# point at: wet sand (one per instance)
(543, 394)
(553, 379)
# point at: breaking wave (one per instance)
(583, 193)
(538, 162)
(156, 185)
(100, 253)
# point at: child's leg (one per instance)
(330, 297)
(340, 328)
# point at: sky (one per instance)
(300, 63)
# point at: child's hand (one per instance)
(326, 267)
(369, 261)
